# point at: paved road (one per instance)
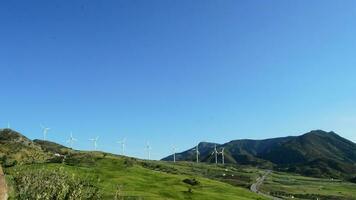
(3, 189)
(259, 181)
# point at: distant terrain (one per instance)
(45, 170)
(317, 153)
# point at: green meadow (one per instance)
(293, 186)
(127, 178)
(97, 175)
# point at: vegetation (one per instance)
(126, 178)
(52, 184)
(287, 185)
(17, 149)
(52, 147)
(57, 172)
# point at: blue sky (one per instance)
(177, 72)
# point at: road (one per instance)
(3, 188)
(259, 181)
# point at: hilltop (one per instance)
(15, 148)
(316, 153)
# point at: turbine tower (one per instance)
(123, 144)
(148, 149)
(222, 155)
(174, 153)
(95, 142)
(216, 154)
(71, 140)
(45, 131)
(196, 149)
(8, 125)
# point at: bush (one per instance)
(55, 184)
(353, 179)
(191, 182)
(6, 162)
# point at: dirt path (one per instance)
(259, 181)
(3, 188)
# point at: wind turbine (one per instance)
(174, 153)
(45, 131)
(8, 125)
(95, 142)
(222, 155)
(122, 143)
(196, 149)
(71, 140)
(216, 154)
(148, 149)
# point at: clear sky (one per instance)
(176, 72)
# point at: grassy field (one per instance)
(116, 177)
(292, 186)
(125, 178)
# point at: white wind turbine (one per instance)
(148, 149)
(174, 149)
(196, 149)
(216, 154)
(71, 140)
(222, 155)
(95, 142)
(8, 125)
(123, 144)
(45, 131)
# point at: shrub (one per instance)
(6, 162)
(353, 179)
(191, 182)
(54, 184)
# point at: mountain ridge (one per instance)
(316, 153)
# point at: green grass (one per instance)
(146, 180)
(138, 179)
(242, 176)
(300, 186)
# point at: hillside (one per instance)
(99, 175)
(52, 147)
(317, 153)
(16, 148)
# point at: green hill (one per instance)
(18, 149)
(57, 172)
(52, 147)
(99, 175)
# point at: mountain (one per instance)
(189, 155)
(316, 153)
(16, 148)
